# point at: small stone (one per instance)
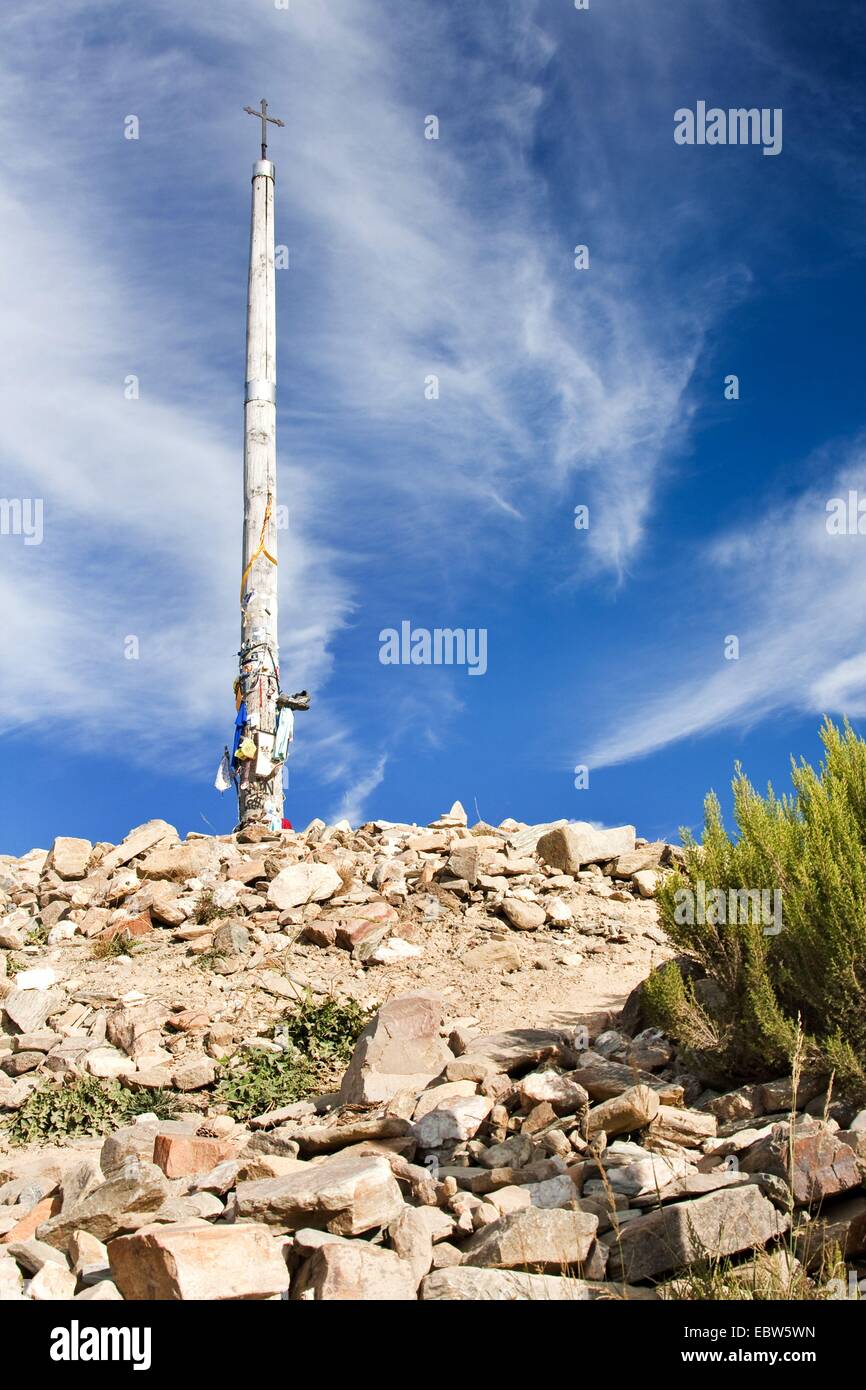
(102, 1292)
(194, 1074)
(303, 883)
(565, 1095)
(524, 916)
(53, 1282)
(136, 1028)
(11, 1284)
(632, 1110)
(33, 1254)
(647, 882)
(21, 1062)
(494, 955)
(181, 1156)
(456, 1119)
(69, 857)
(412, 1240)
(108, 1063)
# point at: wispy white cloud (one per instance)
(351, 805)
(793, 598)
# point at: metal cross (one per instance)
(264, 118)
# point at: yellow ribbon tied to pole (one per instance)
(261, 549)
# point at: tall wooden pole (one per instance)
(260, 790)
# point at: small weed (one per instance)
(208, 959)
(317, 1042)
(206, 909)
(325, 1032)
(255, 1081)
(80, 1108)
(118, 943)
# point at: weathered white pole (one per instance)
(260, 791)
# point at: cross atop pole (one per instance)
(264, 118)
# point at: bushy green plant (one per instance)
(256, 1080)
(317, 1041)
(811, 846)
(85, 1106)
(325, 1031)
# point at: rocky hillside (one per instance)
(379, 1063)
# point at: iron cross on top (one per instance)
(264, 118)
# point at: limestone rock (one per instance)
(399, 1049)
(139, 841)
(347, 1195)
(356, 1272)
(525, 916)
(822, 1166)
(570, 847)
(533, 1239)
(633, 1109)
(721, 1223)
(198, 1262)
(303, 883)
(69, 857)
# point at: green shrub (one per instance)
(86, 1106)
(317, 1040)
(812, 847)
(327, 1031)
(255, 1081)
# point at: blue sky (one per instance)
(558, 387)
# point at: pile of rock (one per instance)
(517, 1165)
(254, 907)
